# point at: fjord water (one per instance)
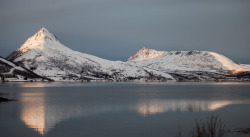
(119, 109)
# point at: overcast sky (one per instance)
(114, 29)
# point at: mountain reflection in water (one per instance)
(42, 112)
(161, 106)
(33, 111)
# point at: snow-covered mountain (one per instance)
(11, 72)
(144, 54)
(189, 64)
(46, 56)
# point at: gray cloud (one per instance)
(114, 29)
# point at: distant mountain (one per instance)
(188, 65)
(11, 72)
(46, 56)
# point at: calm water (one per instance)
(119, 109)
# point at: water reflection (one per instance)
(42, 113)
(33, 111)
(161, 106)
(42, 108)
(33, 84)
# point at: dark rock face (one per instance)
(10, 71)
(209, 76)
(4, 67)
(11, 57)
(245, 75)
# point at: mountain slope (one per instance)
(190, 64)
(11, 72)
(46, 56)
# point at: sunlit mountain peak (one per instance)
(39, 40)
(144, 53)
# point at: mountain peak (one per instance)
(143, 48)
(39, 40)
(144, 53)
(43, 30)
(44, 33)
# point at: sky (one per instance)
(115, 29)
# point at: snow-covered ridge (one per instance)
(11, 72)
(46, 56)
(11, 64)
(229, 64)
(144, 53)
(191, 61)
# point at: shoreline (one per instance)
(115, 81)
